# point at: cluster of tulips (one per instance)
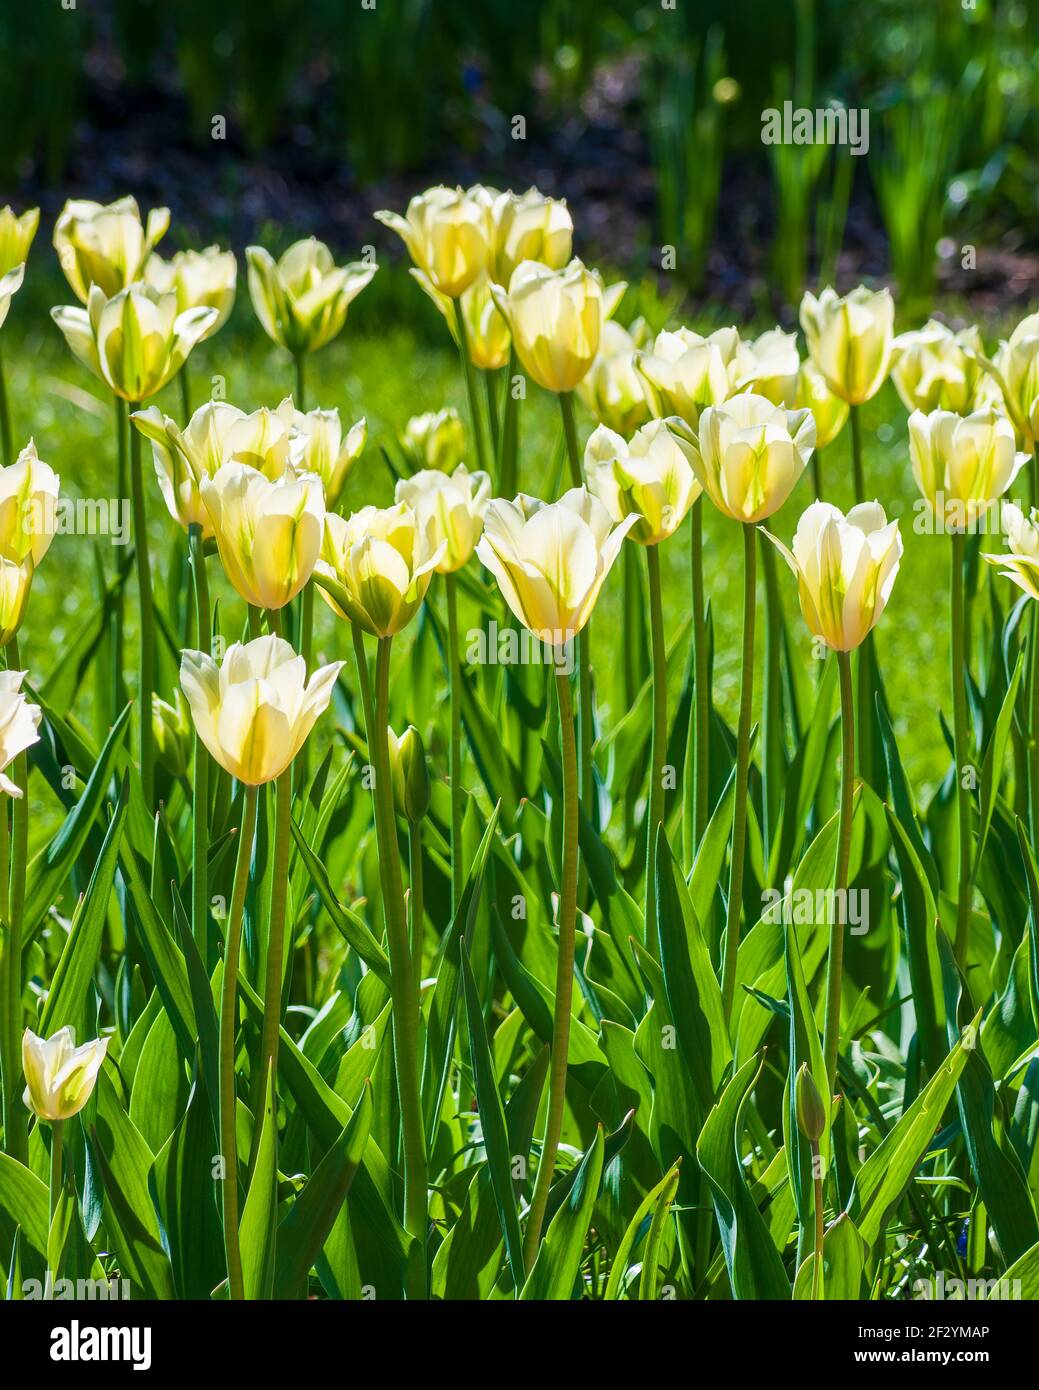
(679, 417)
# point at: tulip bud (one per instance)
(846, 568)
(650, 479)
(971, 460)
(450, 509)
(1021, 563)
(171, 730)
(105, 246)
(614, 391)
(811, 1112)
(850, 339)
(381, 561)
(435, 440)
(446, 233)
(256, 709)
(19, 722)
(28, 495)
(16, 236)
(302, 299)
(411, 789)
(556, 319)
(749, 453)
(199, 279)
(61, 1076)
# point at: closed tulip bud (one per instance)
(486, 332)
(200, 280)
(1020, 563)
(302, 299)
(10, 284)
(450, 507)
(19, 722)
(381, 561)
(685, 372)
(268, 533)
(845, 568)
(528, 227)
(556, 319)
(28, 496)
(216, 434)
(970, 460)
(769, 366)
(829, 412)
(411, 789)
(850, 339)
(16, 236)
(256, 708)
(1015, 371)
(318, 447)
(651, 478)
(936, 369)
(61, 1076)
(15, 583)
(136, 341)
(749, 453)
(614, 391)
(446, 232)
(171, 730)
(435, 439)
(551, 559)
(106, 246)
(811, 1111)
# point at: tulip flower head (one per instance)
(1020, 563)
(19, 722)
(968, 461)
(1015, 371)
(136, 341)
(446, 233)
(528, 227)
(255, 710)
(769, 366)
(317, 446)
(171, 730)
(486, 332)
(685, 372)
(302, 299)
(614, 391)
(551, 559)
(450, 507)
(650, 478)
(28, 496)
(849, 339)
(845, 568)
(380, 561)
(829, 412)
(106, 246)
(934, 368)
(411, 787)
(16, 236)
(268, 532)
(15, 583)
(556, 319)
(10, 284)
(749, 453)
(199, 279)
(435, 439)
(61, 1076)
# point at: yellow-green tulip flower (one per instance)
(381, 560)
(450, 507)
(1015, 371)
(651, 478)
(200, 279)
(61, 1076)
(849, 339)
(1020, 562)
(845, 568)
(749, 453)
(268, 533)
(301, 299)
(317, 446)
(16, 236)
(446, 232)
(686, 372)
(28, 496)
(487, 333)
(970, 459)
(105, 246)
(15, 583)
(527, 227)
(435, 439)
(551, 559)
(256, 708)
(829, 412)
(136, 341)
(10, 284)
(556, 319)
(934, 368)
(769, 366)
(613, 391)
(19, 724)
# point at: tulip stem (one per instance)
(185, 394)
(10, 1062)
(490, 393)
(817, 1183)
(147, 619)
(416, 898)
(698, 739)
(5, 419)
(200, 793)
(275, 970)
(817, 474)
(228, 1027)
(959, 721)
(573, 453)
(54, 1195)
(301, 385)
(455, 699)
(1033, 728)
(118, 616)
(407, 1018)
(564, 979)
(658, 749)
(835, 961)
(739, 805)
(585, 717)
(507, 478)
(469, 372)
(858, 472)
(364, 680)
(15, 1132)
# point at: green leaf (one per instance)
(259, 1228)
(658, 1198)
(25, 1200)
(844, 1255)
(351, 927)
(559, 1258)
